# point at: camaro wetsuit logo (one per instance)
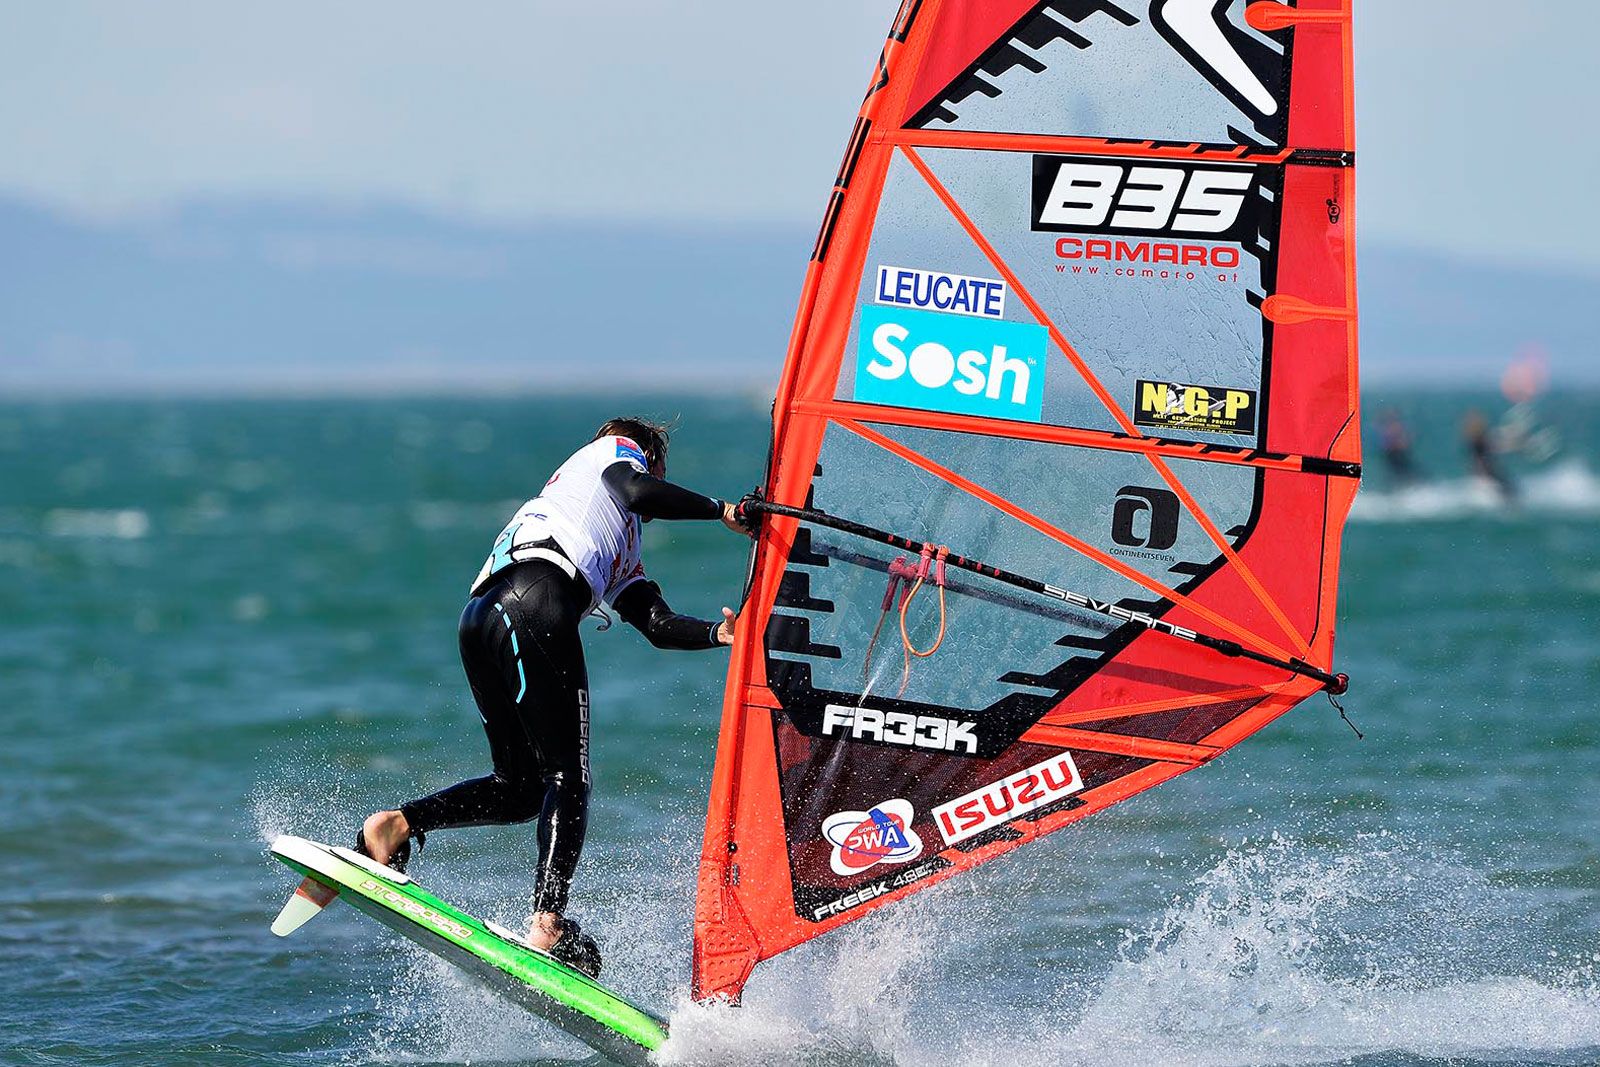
(863, 839)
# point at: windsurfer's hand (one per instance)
(730, 519)
(725, 627)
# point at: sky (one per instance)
(725, 110)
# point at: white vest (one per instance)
(577, 511)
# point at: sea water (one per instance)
(224, 620)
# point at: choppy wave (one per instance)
(291, 624)
(1568, 488)
(1280, 954)
(1377, 951)
(125, 524)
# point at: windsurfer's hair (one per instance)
(648, 435)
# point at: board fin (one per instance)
(303, 905)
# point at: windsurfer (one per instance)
(1397, 448)
(563, 553)
(1480, 444)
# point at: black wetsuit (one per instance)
(1481, 448)
(523, 656)
(1397, 453)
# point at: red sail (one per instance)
(1082, 307)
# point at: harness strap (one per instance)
(929, 555)
(930, 564)
(549, 555)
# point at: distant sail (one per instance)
(1079, 337)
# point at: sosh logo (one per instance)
(988, 368)
(1145, 518)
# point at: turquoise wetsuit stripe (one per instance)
(516, 653)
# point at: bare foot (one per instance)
(384, 832)
(544, 930)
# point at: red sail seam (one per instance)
(1152, 707)
(1123, 745)
(1079, 146)
(1198, 451)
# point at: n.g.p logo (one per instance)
(863, 839)
(963, 365)
(1207, 408)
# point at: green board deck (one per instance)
(571, 1000)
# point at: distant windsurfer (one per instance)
(563, 553)
(1397, 448)
(1481, 449)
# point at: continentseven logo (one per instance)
(953, 363)
(1145, 518)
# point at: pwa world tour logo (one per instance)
(863, 839)
(954, 363)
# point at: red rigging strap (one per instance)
(898, 570)
(914, 576)
(924, 569)
(1288, 310)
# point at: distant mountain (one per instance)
(293, 296)
(1435, 318)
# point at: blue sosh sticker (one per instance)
(953, 363)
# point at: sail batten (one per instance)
(850, 411)
(1062, 449)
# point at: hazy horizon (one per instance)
(211, 198)
(238, 296)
